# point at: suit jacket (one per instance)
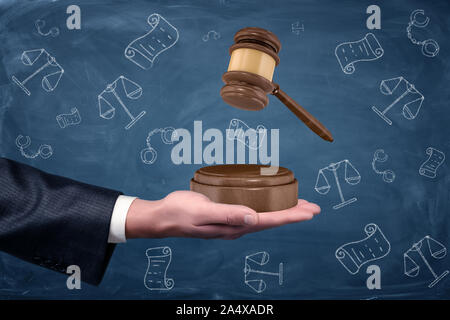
(54, 221)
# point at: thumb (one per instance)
(231, 214)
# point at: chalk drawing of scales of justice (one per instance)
(44, 64)
(351, 176)
(253, 275)
(405, 93)
(418, 253)
(114, 96)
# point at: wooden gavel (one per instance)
(248, 80)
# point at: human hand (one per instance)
(191, 214)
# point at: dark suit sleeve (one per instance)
(54, 221)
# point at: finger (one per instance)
(227, 214)
(278, 218)
(310, 205)
(303, 211)
(219, 231)
(314, 208)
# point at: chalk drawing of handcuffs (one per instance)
(215, 35)
(45, 151)
(54, 32)
(430, 48)
(149, 154)
(381, 156)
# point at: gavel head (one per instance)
(248, 80)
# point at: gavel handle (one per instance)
(302, 114)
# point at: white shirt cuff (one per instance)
(118, 219)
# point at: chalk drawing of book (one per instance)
(430, 166)
(416, 254)
(43, 62)
(252, 138)
(366, 49)
(158, 262)
(112, 97)
(355, 254)
(403, 93)
(253, 273)
(351, 176)
(144, 50)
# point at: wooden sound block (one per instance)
(243, 184)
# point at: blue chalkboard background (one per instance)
(183, 86)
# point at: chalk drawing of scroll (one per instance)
(366, 49)
(430, 166)
(144, 50)
(158, 262)
(355, 254)
(69, 119)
